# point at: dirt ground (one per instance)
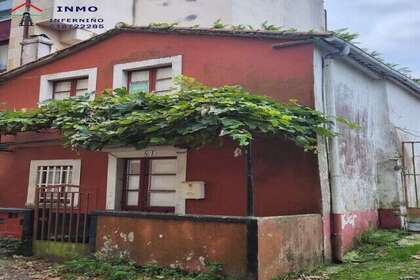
(21, 268)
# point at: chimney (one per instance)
(35, 47)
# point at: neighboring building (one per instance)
(5, 12)
(353, 183)
(95, 17)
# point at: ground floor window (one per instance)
(45, 173)
(49, 175)
(150, 184)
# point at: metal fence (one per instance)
(411, 173)
(61, 214)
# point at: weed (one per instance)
(121, 269)
(11, 246)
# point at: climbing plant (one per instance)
(191, 116)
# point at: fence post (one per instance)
(92, 232)
(27, 231)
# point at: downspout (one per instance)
(250, 187)
(333, 158)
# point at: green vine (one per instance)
(193, 115)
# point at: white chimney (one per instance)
(35, 47)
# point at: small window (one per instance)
(65, 89)
(158, 80)
(49, 175)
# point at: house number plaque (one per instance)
(149, 153)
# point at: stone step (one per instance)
(413, 226)
(413, 219)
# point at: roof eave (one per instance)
(373, 64)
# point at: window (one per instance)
(157, 80)
(65, 84)
(50, 175)
(150, 184)
(45, 173)
(153, 75)
(67, 88)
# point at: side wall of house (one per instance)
(286, 177)
(364, 188)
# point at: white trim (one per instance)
(156, 151)
(121, 70)
(76, 163)
(46, 83)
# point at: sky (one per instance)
(391, 27)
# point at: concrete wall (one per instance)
(364, 186)
(16, 223)
(186, 243)
(248, 248)
(289, 243)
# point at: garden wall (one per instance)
(248, 248)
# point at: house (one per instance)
(308, 207)
(66, 23)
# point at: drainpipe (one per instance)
(250, 187)
(333, 159)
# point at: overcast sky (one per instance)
(391, 27)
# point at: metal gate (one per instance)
(61, 214)
(411, 173)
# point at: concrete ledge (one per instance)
(16, 210)
(175, 217)
(58, 250)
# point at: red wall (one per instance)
(286, 177)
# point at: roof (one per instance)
(368, 61)
(170, 30)
(327, 38)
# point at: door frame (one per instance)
(114, 189)
(144, 187)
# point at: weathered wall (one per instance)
(289, 243)
(17, 223)
(364, 184)
(247, 247)
(184, 243)
(286, 177)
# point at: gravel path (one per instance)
(21, 268)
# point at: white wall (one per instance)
(300, 14)
(365, 178)
(3, 55)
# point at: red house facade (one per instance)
(113, 62)
(288, 180)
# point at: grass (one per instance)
(380, 255)
(119, 269)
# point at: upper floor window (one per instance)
(65, 84)
(153, 75)
(157, 80)
(65, 89)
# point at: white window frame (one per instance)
(120, 75)
(33, 172)
(113, 192)
(46, 87)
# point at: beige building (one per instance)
(67, 22)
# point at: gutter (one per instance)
(373, 64)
